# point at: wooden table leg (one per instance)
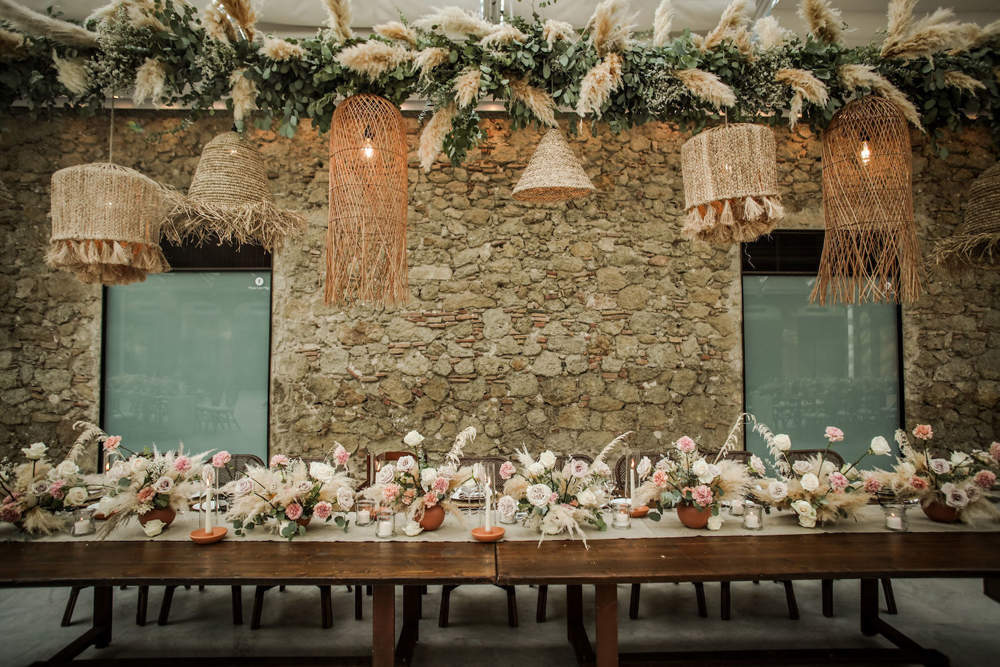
(991, 587)
(410, 632)
(869, 607)
(383, 625)
(103, 612)
(606, 617)
(576, 633)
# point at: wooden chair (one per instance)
(493, 463)
(142, 605)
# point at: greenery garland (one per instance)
(198, 70)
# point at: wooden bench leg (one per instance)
(793, 605)
(725, 601)
(542, 603)
(258, 606)
(827, 593)
(237, 594)
(699, 591)
(358, 598)
(511, 606)
(326, 605)
(443, 612)
(633, 601)
(141, 605)
(890, 598)
(74, 593)
(168, 598)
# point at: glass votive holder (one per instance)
(736, 508)
(753, 515)
(622, 515)
(895, 517)
(385, 524)
(364, 512)
(83, 522)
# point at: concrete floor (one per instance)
(950, 615)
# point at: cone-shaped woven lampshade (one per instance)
(554, 173)
(229, 200)
(106, 224)
(976, 243)
(730, 184)
(870, 252)
(366, 234)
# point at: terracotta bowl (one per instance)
(493, 535)
(199, 536)
(640, 512)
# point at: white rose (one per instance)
(777, 490)
(601, 468)
(321, 471)
(163, 485)
(303, 487)
(586, 498)
(711, 472)
(939, 466)
(406, 464)
(345, 498)
(35, 451)
(243, 486)
(385, 474)
(579, 468)
(645, 465)
(536, 469)
(538, 495)
(699, 467)
(804, 508)
(782, 442)
(427, 477)
(413, 439)
(507, 506)
(76, 496)
(67, 468)
(958, 458)
(810, 482)
(757, 465)
(807, 521)
(972, 492)
(39, 487)
(153, 528)
(138, 464)
(547, 459)
(802, 467)
(715, 522)
(880, 446)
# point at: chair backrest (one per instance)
(237, 466)
(740, 456)
(492, 463)
(622, 463)
(833, 457)
(379, 459)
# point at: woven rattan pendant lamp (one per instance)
(366, 234)
(976, 243)
(229, 200)
(106, 223)
(553, 174)
(870, 253)
(730, 184)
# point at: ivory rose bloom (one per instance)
(810, 482)
(801, 467)
(507, 507)
(164, 485)
(323, 510)
(586, 498)
(385, 474)
(76, 496)
(777, 490)
(547, 459)
(323, 472)
(243, 486)
(954, 496)
(293, 511)
(757, 465)
(806, 512)
(833, 434)
(538, 494)
(67, 468)
(507, 470)
(923, 432)
(685, 444)
(35, 451)
(536, 469)
(406, 464)
(645, 465)
(939, 466)
(782, 442)
(413, 439)
(579, 468)
(880, 446)
(345, 498)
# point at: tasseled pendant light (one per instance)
(976, 243)
(553, 174)
(366, 235)
(870, 252)
(730, 184)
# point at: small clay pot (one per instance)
(166, 515)
(693, 516)
(433, 518)
(303, 520)
(938, 511)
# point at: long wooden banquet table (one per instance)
(607, 563)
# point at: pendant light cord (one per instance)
(111, 130)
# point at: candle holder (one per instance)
(83, 522)
(364, 512)
(622, 515)
(753, 515)
(895, 517)
(385, 523)
(736, 508)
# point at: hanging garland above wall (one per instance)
(941, 73)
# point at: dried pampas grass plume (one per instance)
(338, 17)
(608, 29)
(598, 84)
(35, 23)
(504, 34)
(731, 24)
(823, 20)
(553, 31)
(217, 27)
(770, 34)
(936, 32)
(988, 34)
(11, 43)
(865, 76)
(244, 95)
(663, 18)
(72, 73)
(150, 80)
(279, 49)
(373, 58)
(537, 100)
(963, 81)
(397, 31)
(242, 12)
(467, 87)
(429, 58)
(140, 13)
(806, 87)
(432, 138)
(456, 23)
(707, 87)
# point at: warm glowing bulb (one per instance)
(866, 152)
(368, 151)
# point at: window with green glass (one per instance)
(186, 359)
(808, 366)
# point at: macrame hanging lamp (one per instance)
(229, 200)
(730, 184)
(976, 243)
(553, 174)
(870, 252)
(366, 234)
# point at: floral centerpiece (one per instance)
(949, 487)
(152, 487)
(419, 490)
(36, 489)
(558, 499)
(816, 489)
(289, 493)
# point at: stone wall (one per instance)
(555, 325)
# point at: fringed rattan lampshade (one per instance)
(553, 174)
(976, 243)
(870, 252)
(730, 184)
(366, 235)
(106, 223)
(229, 200)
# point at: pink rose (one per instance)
(872, 485)
(838, 482)
(923, 432)
(440, 485)
(145, 495)
(112, 442)
(56, 489)
(323, 510)
(221, 459)
(390, 492)
(340, 455)
(985, 479)
(833, 434)
(660, 478)
(579, 468)
(995, 451)
(10, 514)
(507, 470)
(293, 511)
(918, 483)
(182, 464)
(686, 444)
(278, 460)
(553, 497)
(702, 495)
(430, 499)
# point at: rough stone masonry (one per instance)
(543, 325)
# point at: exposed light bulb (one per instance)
(368, 150)
(866, 153)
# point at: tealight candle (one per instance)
(753, 516)
(83, 522)
(623, 515)
(895, 517)
(384, 524)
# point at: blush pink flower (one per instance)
(278, 460)
(985, 479)
(390, 492)
(923, 432)
(995, 451)
(702, 495)
(553, 497)
(918, 483)
(323, 510)
(507, 470)
(182, 464)
(10, 514)
(686, 444)
(833, 434)
(340, 455)
(56, 490)
(430, 499)
(293, 511)
(440, 485)
(872, 485)
(145, 495)
(838, 482)
(660, 478)
(112, 442)
(221, 459)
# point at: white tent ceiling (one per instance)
(302, 17)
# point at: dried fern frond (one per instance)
(963, 81)
(432, 138)
(455, 23)
(467, 87)
(537, 100)
(935, 32)
(150, 80)
(553, 31)
(279, 49)
(663, 19)
(339, 18)
(769, 33)
(397, 31)
(731, 23)
(707, 87)
(609, 30)
(823, 20)
(865, 76)
(504, 34)
(244, 95)
(72, 73)
(427, 59)
(598, 84)
(373, 58)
